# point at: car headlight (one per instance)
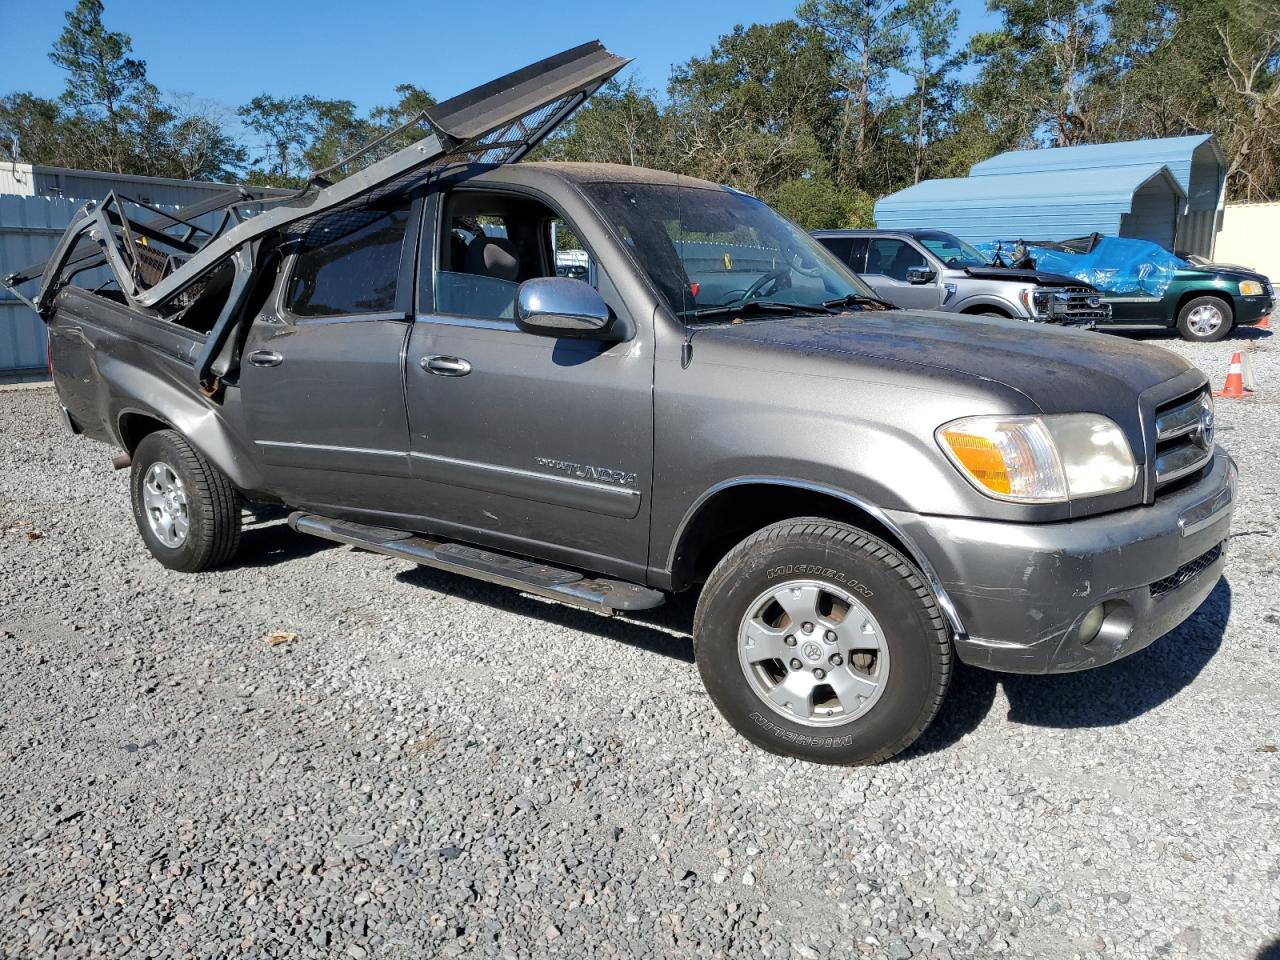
(1040, 459)
(1028, 297)
(1250, 288)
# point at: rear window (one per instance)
(349, 264)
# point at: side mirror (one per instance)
(563, 307)
(918, 275)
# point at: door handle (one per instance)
(265, 358)
(446, 366)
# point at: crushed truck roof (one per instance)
(155, 259)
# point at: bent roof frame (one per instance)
(497, 122)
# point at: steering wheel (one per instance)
(775, 277)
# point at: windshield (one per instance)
(952, 251)
(711, 250)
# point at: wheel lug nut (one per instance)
(836, 660)
(820, 673)
(795, 664)
(807, 628)
(830, 636)
(790, 640)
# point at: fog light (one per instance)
(1091, 624)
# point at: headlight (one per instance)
(1250, 288)
(1028, 297)
(1040, 459)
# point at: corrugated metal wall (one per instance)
(1196, 162)
(1154, 215)
(1055, 205)
(158, 191)
(29, 230)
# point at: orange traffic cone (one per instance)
(1233, 389)
(1264, 323)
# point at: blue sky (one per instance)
(231, 50)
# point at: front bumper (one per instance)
(1022, 591)
(1250, 310)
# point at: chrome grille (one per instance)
(1185, 573)
(1072, 305)
(1184, 437)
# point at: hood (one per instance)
(1221, 271)
(1014, 275)
(1030, 367)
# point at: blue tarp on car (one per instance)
(1113, 264)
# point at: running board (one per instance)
(527, 576)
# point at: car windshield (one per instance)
(711, 251)
(952, 251)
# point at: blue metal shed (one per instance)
(1061, 192)
(1042, 206)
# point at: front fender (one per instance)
(978, 302)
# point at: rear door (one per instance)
(322, 379)
(888, 260)
(528, 443)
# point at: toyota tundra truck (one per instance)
(857, 495)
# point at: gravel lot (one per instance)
(433, 766)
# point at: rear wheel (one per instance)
(1205, 319)
(820, 641)
(186, 509)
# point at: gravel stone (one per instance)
(447, 768)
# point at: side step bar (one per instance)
(527, 576)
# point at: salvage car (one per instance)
(1148, 288)
(856, 495)
(934, 270)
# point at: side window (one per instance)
(479, 269)
(571, 257)
(490, 244)
(850, 250)
(858, 255)
(840, 246)
(349, 263)
(893, 258)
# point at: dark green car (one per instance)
(1202, 301)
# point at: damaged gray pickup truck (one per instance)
(858, 495)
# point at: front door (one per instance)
(321, 375)
(528, 443)
(888, 260)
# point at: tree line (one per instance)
(819, 114)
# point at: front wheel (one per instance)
(819, 641)
(187, 510)
(1205, 320)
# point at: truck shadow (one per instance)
(1107, 696)
(1249, 334)
(269, 544)
(1270, 951)
(664, 630)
